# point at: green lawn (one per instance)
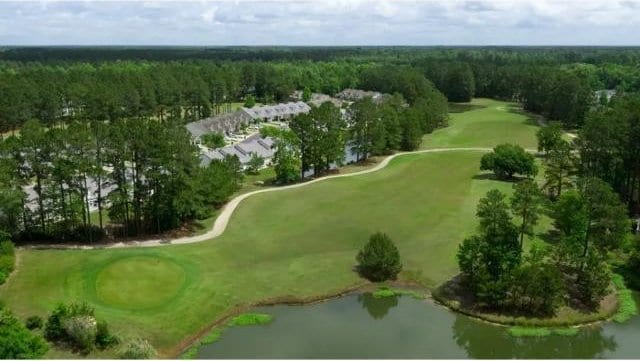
(298, 242)
(487, 124)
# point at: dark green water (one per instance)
(360, 326)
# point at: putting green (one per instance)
(139, 282)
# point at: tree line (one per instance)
(142, 174)
(169, 84)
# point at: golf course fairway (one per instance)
(299, 242)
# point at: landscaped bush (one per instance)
(137, 349)
(16, 342)
(34, 322)
(77, 326)
(81, 331)
(379, 260)
(104, 337)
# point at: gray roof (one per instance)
(257, 146)
(223, 123)
(277, 110)
(243, 150)
(357, 94)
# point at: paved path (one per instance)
(223, 218)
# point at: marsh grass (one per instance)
(245, 319)
(250, 319)
(385, 291)
(627, 307)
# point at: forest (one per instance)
(68, 114)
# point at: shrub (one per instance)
(379, 260)
(76, 325)
(16, 342)
(7, 248)
(34, 322)
(53, 330)
(104, 337)
(137, 349)
(81, 331)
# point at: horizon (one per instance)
(345, 23)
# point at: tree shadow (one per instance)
(493, 177)
(551, 236)
(531, 118)
(464, 107)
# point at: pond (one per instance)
(361, 326)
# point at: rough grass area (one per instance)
(250, 319)
(300, 241)
(384, 291)
(520, 331)
(627, 307)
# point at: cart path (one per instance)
(223, 218)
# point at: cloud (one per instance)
(320, 22)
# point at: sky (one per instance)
(321, 22)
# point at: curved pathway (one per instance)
(222, 220)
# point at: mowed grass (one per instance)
(299, 242)
(487, 124)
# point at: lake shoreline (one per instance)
(606, 312)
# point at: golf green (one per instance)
(139, 282)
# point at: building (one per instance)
(232, 122)
(255, 144)
(318, 98)
(224, 124)
(277, 112)
(604, 93)
(357, 94)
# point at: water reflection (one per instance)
(403, 327)
(486, 341)
(377, 307)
